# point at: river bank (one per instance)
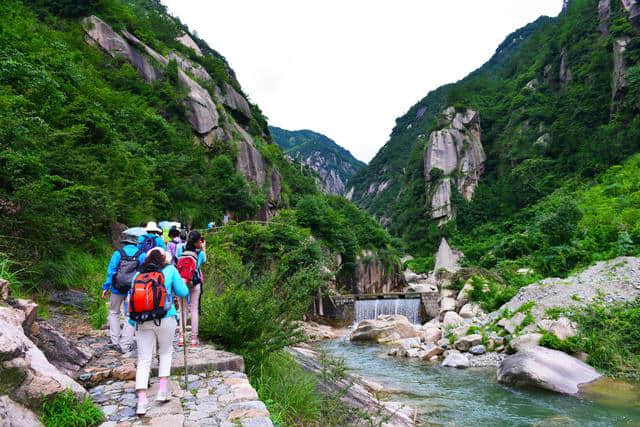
(447, 396)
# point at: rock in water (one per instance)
(545, 368)
(384, 328)
(455, 359)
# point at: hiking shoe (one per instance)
(142, 407)
(195, 343)
(180, 342)
(163, 396)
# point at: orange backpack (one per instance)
(148, 298)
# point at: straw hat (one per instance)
(152, 227)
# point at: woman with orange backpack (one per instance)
(152, 312)
(191, 257)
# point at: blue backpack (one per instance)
(148, 243)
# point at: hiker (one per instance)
(191, 257)
(174, 243)
(152, 312)
(124, 264)
(152, 238)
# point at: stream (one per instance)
(471, 397)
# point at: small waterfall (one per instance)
(372, 308)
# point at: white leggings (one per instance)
(194, 305)
(146, 336)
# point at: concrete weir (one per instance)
(347, 309)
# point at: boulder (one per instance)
(413, 352)
(430, 350)
(441, 201)
(512, 324)
(431, 335)
(470, 310)
(464, 296)
(452, 319)
(547, 369)
(384, 327)
(525, 341)
(465, 343)
(477, 350)
(27, 376)
(59, 350)
(408, 343)
(232, 99)
(562, 328)
(30, 310)
(454, 359)
(315, 332)
(446, 258)
(410, 276)
(14, 414)
(447, 304)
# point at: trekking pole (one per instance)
(184, 339)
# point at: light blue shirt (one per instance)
(112, 268)
(173, 284)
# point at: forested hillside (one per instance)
(557, 108)
(334, 164)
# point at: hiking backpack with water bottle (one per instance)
(149, 299)
(127, 268)
(188, 268)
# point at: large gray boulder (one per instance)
(547, 369)
(385, 328)
(454, 359)
(446, 258)
(27, 376)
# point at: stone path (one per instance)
(218, 391)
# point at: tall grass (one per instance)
(288, 391)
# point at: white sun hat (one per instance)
(152, 227)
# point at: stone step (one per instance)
(113, 366)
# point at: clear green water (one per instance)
(471, 397)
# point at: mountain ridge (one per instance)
(333, 163)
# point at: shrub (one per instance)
(66, 410)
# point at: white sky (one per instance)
(349, 68)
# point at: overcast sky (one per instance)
(348, 68)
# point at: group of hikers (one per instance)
(149, 280)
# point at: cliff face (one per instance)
(454, 155)
(203, 105)
(332, 163)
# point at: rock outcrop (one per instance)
(548, 369)
(25, 373)
(619, 79)
(13, 414)
(187, 41)
(385, 328)
(372, 277)
(604, 13)
(633, 8)
(454, 156)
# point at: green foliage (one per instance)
(66, 410)
(608, 333)
(260, 282)
(421, 264)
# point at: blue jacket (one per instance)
(130, 250)
(202, 256)
(159, 240)
(174, 285)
